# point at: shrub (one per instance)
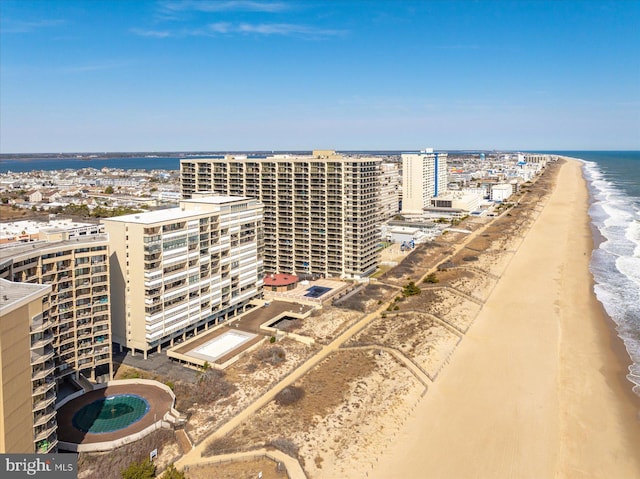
(273, 355)
(431, 278)
(139, 470)
(272, 339)
(410, 289)
(172, 473)
(210, 387)
(289, 395)
(222, 445)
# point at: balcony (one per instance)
(43, 417)
(41, 402)
(44, 431)
(101, 300)
(47, 445)
(84, 333)
(42, 354)
(40, 325)
(42, 386)
(103, 358)
(41, 371)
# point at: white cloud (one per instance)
(284, 29)
(224, 6)
(152, 33)
(228, 28)
(9, 26)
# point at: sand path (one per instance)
(534, 389)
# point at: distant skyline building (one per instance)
(424, 176)
(180, 270)
(390, 190)
(321, 211)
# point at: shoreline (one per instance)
(538, 393)
(618, 346)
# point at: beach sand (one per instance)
(536, 388)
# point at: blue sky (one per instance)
(184, 75)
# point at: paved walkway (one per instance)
(293, 467)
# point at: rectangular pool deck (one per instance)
(223, 342)
(222, 345)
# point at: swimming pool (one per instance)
(317, 291)
(110, 414)
(223, 344)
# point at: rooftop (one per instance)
(14, 295)
(280, 279)
(11, 250)
(179, 212)
(32, 227)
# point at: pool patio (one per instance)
(248, 325)
(160, 403)
(326, 289)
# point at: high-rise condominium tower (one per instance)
(424, 176)
(179, 270)
(78, 308)
(320, 211)
(27, 381)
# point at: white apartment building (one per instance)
(462, 201)
(390, 190)
(501, 192)
(54, 229)
(180, 270)
(424, 176)
(321, 211)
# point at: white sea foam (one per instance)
(615, 263)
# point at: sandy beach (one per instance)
(536, 388)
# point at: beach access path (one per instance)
(536, 388)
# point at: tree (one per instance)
(108, 190)
(172, 473)
(139, 470)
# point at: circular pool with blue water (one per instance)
(110, 414)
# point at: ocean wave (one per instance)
(615, 263)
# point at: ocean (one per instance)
(614, 184)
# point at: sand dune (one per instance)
(536, 388)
